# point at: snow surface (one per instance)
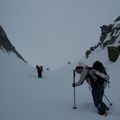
(23, 96)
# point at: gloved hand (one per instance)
(73, 84)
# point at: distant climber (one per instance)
(39, 71)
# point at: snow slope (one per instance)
(23, 96)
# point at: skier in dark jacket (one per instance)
(39, 71)
(97, 90)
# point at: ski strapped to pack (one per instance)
(104, 76)
(83, 65)
(94, 72)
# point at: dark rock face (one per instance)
(118, 19)
(104, 32)
(4, 42)
(113, 53)
(6, 45)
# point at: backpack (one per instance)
(99, 72)
(97, 65)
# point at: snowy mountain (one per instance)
(110, 39)
(6, 45)
(23, 96)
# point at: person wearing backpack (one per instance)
(39, 71)
(97, 79)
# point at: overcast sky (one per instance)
(53, 32)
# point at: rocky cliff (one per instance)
(6, 45)
(110, 39)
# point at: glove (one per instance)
(73, 84)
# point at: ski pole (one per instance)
(108, 100)
(74, 107)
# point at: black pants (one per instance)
(39, 75)
(97, 94)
